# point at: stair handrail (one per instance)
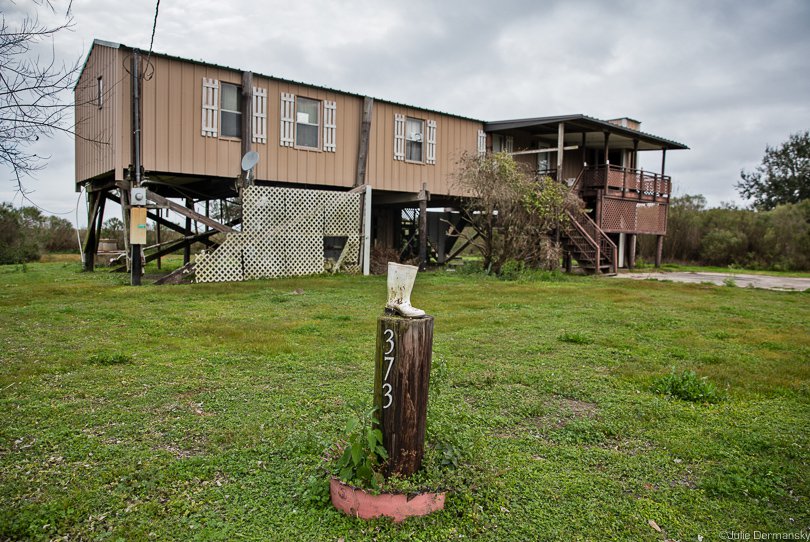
(604, 240)
(575, 185)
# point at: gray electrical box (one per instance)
(138, 196)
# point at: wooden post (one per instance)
(424, 196)
(362, 151)
(136, 250)
(659, 249)
(157, 237)
(187, 248)
(560, 150)
(401, 378)
(631, 255)
(93, 202)
(607, 160)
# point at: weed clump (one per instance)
(688, 386)
(573, 337)
(109, 359)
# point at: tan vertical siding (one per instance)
(454, 136)
(95, 145)
(173, 143)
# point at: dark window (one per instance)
(231, 110)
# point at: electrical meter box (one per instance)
(138, 196)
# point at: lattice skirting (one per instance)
(283, 235)
(621, 215)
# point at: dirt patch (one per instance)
(561, 411)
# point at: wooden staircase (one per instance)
(589, 245)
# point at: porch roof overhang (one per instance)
(545, 130)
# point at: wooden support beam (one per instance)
(560, 149)
(176, 276)
(659, 249)
(247, 117)
(157, 237)
(424, 196)
(541, 151)
(460, 249)
(188, 213)
(401, 378)
(631, 255)
(90, 243)
(168, 223)
(365, 131)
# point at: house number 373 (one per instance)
(388, 358)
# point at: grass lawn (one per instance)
(202, 412)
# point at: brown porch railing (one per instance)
(605, 249)
(626, 182)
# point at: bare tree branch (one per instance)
(35, 92)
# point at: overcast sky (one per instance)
(726, 77)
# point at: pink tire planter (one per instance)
(356, 502)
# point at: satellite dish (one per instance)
(250, 159)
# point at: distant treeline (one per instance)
(26, 233)
(778, 239)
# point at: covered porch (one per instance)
(599, 159)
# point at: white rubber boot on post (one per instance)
(400, 284)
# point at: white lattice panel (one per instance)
(304, 211)
(342, 214)
(283, 231)
(224, 264)
(304, 254)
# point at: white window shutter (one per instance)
(259, 115)
(482, 143)
(210, 106)
(510, 144)
(329, 125)
(431, 142)
(399, 137)
(287, 135)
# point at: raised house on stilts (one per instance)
(337, 173)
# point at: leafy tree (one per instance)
(510, 211)
(783, 176)
(16, 242)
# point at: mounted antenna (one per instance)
(249, 161)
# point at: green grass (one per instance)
(202, 412)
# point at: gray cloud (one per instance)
(725, 77)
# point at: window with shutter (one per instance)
(510, 144)
(329, 125)
(482, 143)
(230, 110)
(307, 122)
(259, 115)
(210, 107)
(431, 142)
(399, 137)
(414, 139)
(287, 129)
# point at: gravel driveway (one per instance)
(768, 282)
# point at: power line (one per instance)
(154, 26)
